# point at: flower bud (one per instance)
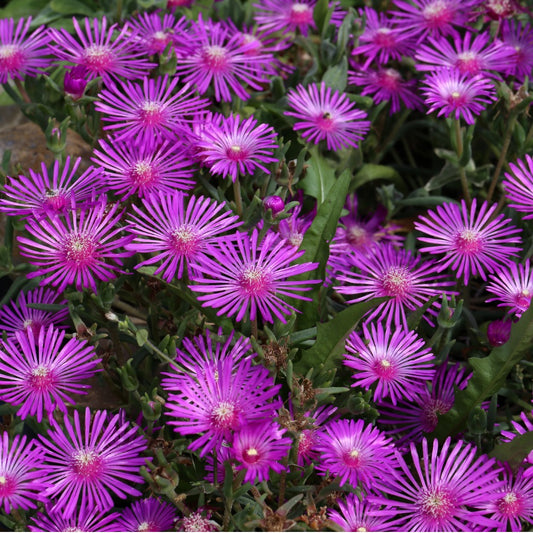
(498, 332)
(74, 83)
(275, 203)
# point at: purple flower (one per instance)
(387, 85)
(519, 38)
(45, 194)
(513, 287)
(435, 17)
(412, 419)
(381, 41)
(470, 55)
(396, 361)
(88, 463)
(150, 514)
(75, 82)
(144, 168)
(457, 95)
(518, 186)
(219, 397)
(275, 204)
(293, 228)
(355, 452)
(212, 57)
(82, 520)
(525, 426)
(514, 502)
(259, 448)
(21, 54)
(154, 111)
(499, 332)
(17, 316)
(39, 372)
(155, 31)
(360, 515)
(470, 242)
(245, 277)
(285, 15)
(76, 249)
(178, 231)
(21, 477)
(328, 115)
(405, 279)
(445, 490)
(100, 50)
(230, 146)
(309, 435)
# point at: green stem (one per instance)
(503, 156)
(462, 173)
(238, 197)
(22, 91)
(127, 308)
(254, 328)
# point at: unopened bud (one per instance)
(275, 203)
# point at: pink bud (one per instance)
(275, 203)
(498, 332)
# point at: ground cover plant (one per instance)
(290, 286)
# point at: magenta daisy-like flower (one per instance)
(513, 287)
(387, 85)
(144, 168)
(407, 280)
(410, 420)
(218, 399)
(451, 93)
(82, 520)
(147, 515)
(355, 452)
(88, 461)
(381, 40)
(434, 17)
(245, 277)
(285, 15)
(45, 194)
(155, 31)
(106, 52)
(214, 57)
(518, 186)
(178, 230)
(396, 361)
(293, 228)
(524, 426)
(519, 38)
(259, 448)
(308, 437)
(513, 505)
(470, 242)
(21, 477)
(19, 316)
(446, 489)
(324, 114)
(22, 54)
(231, 146)
(153, 111)
(77, 249)
(360, 515)
(39, 372)
(470, 54)
(35, 371)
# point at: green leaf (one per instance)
(370, 172)
(516, 451)
(316, 246)
(489, 376)
(141, 336)
(336, 76)
(319, 177)
(321, 15)
(331, 337)
(71, 7)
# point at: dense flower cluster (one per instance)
(266, 260)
